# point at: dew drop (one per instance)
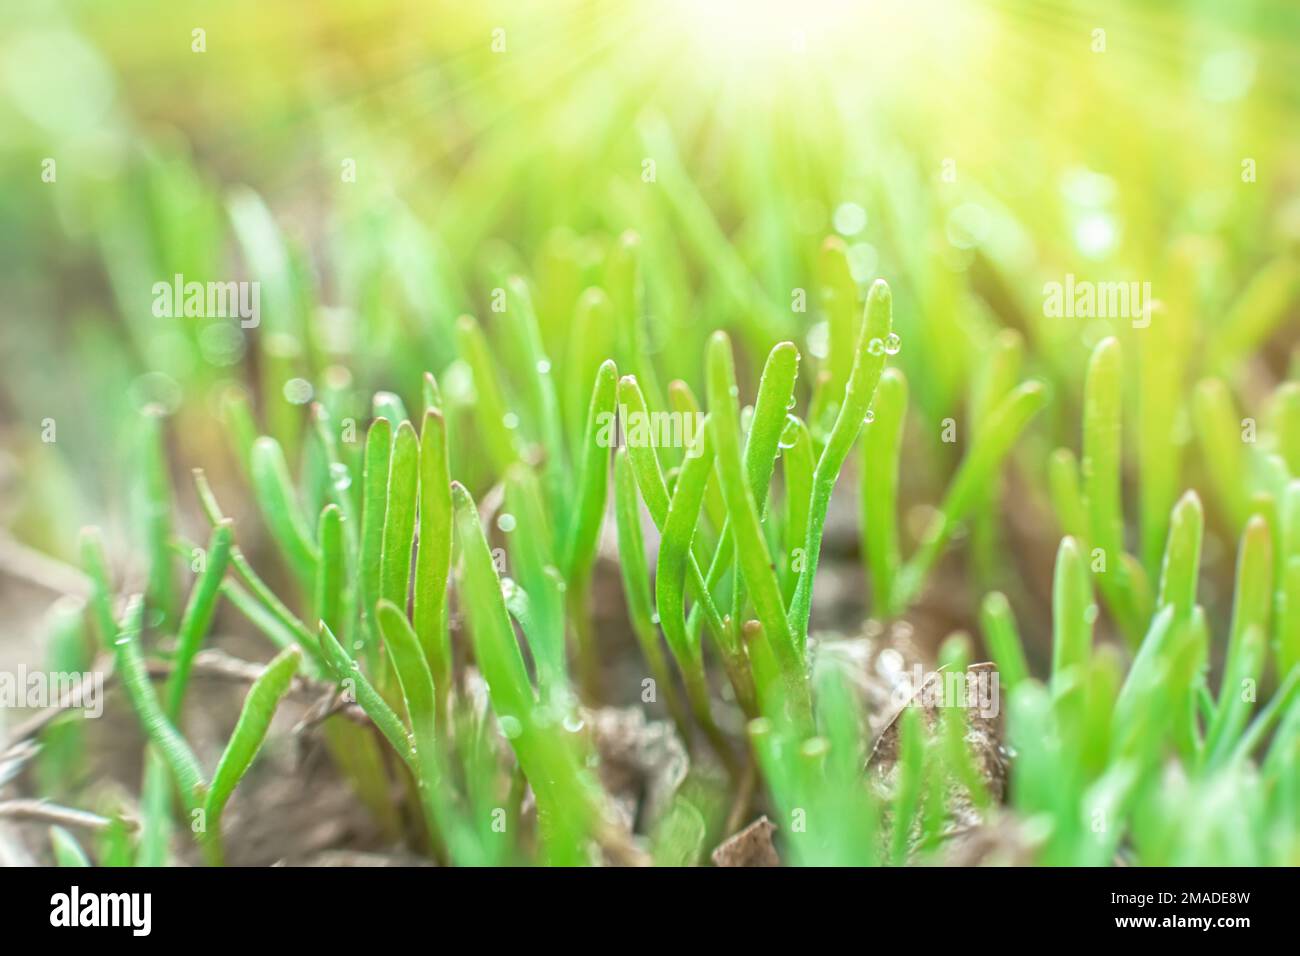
(573, 723)
(510, 420)
(893, 343)
(506, 522)
(876, 347)
(790, 433)
(511, 728)
(340, 477)
(543, 366)
(869, 418)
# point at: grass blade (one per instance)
(331, 571)
(654, 492)
(198, 614)
(797, 466)
(417, 685)
(685, 404)
(1182, 560)
(1066, 495)
(490, 404)
(868, 363)
(374, 511)
(636, 584)
(273, 489)
(674, 553)
(586, 516)
(588, 511)
(1072, 614)
(67, 851)
(1247, 639)
(624, 282)
(881, 446)
(541, 384)
(95, 564)
(590, 342)
(357, 687)
(495, 645)
(246, 740)
(160, 731)
(1219, 431)
(754, 559)
(389, 405)
(566, 805)
(399, 517)
(433, 556)
(1100, 470)
(157, 510)
(534, 563)
(1003, 639)
(839, 303)
(262, 607)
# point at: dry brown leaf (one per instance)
(752, 846)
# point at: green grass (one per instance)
(1094, 741)
(432, 508)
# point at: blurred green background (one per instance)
(968, 152)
